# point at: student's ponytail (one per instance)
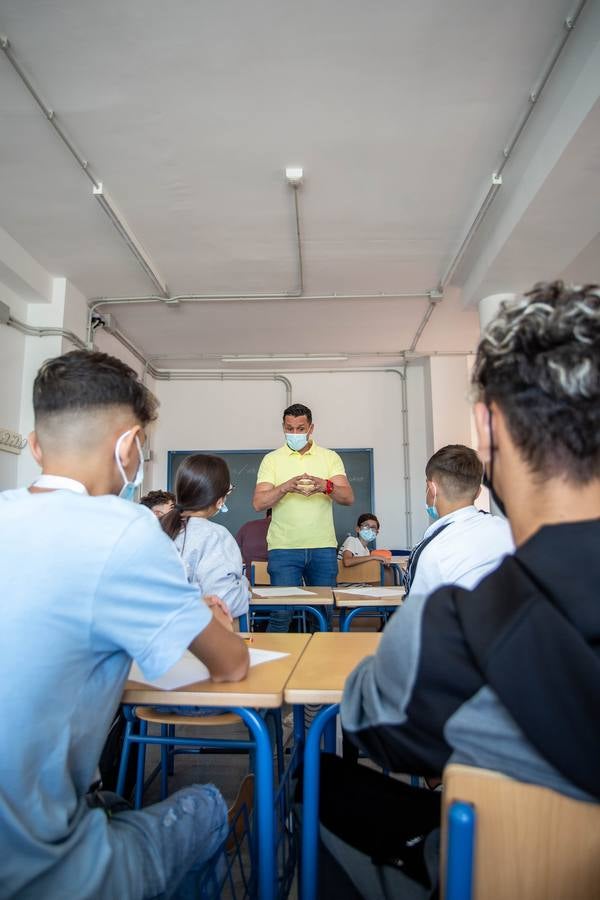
(201, 481)
(172, 522)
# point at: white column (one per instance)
(37, 350)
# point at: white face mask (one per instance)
(128, 490)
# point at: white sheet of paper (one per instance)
(189, 669)
(282, 592)
(372, 591)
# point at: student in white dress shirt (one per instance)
(210, 554)
(463, 544)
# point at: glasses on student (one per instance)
(231, 490)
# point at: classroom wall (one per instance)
(12, 350)
(349, 410)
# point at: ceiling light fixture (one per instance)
(279, 359)
(294, 175)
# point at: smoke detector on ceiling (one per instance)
(294, 175)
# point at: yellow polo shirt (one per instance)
(301, 523)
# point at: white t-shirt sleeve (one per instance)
(144, 604)
(355, 547)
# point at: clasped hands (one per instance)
(305, 484)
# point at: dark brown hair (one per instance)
(298, 409)
(458, 469)
(157, 498)
(201, 480)
(83, 380)
(365, 518)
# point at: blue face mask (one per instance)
(129, 488)
(296, 441)
(224, 508)
(367, 534)
(431, 510)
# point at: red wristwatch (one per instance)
(329, 487)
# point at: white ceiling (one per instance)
(189, 112)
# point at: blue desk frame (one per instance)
(265, 793)
(303, 607)
(323, 726)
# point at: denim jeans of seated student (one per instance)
(292, 568)
(160, 851)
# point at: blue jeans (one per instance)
(293, 568)
(160, 851)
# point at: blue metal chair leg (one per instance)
(265, 801)
(124, 757)
(348, 617)
(141, 765)
(321, 619)
(461, 845)
(165, 759)
(310, 814)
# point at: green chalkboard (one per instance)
(243, 466)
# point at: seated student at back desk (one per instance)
(506, 676)
(107, 587)
(209, 552)
(463, 544)
(354, 549)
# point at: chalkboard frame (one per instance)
(172, 454)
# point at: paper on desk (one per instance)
(282, 592)
(372, 591)
(189, 669)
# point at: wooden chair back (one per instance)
(530, 842)
(368, 572)
(259, 574)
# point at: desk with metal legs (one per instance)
(317, 604)
(352, 605)
(319, 678)
(262, 689)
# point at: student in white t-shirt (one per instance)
(355, 548)
(210, 553)
(106, 587)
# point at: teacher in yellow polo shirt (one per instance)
(300, 482)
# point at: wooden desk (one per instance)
(319, 678)
(399, 561)
(262, 688)
(320, 596)
(325, 664)
(352, 601)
